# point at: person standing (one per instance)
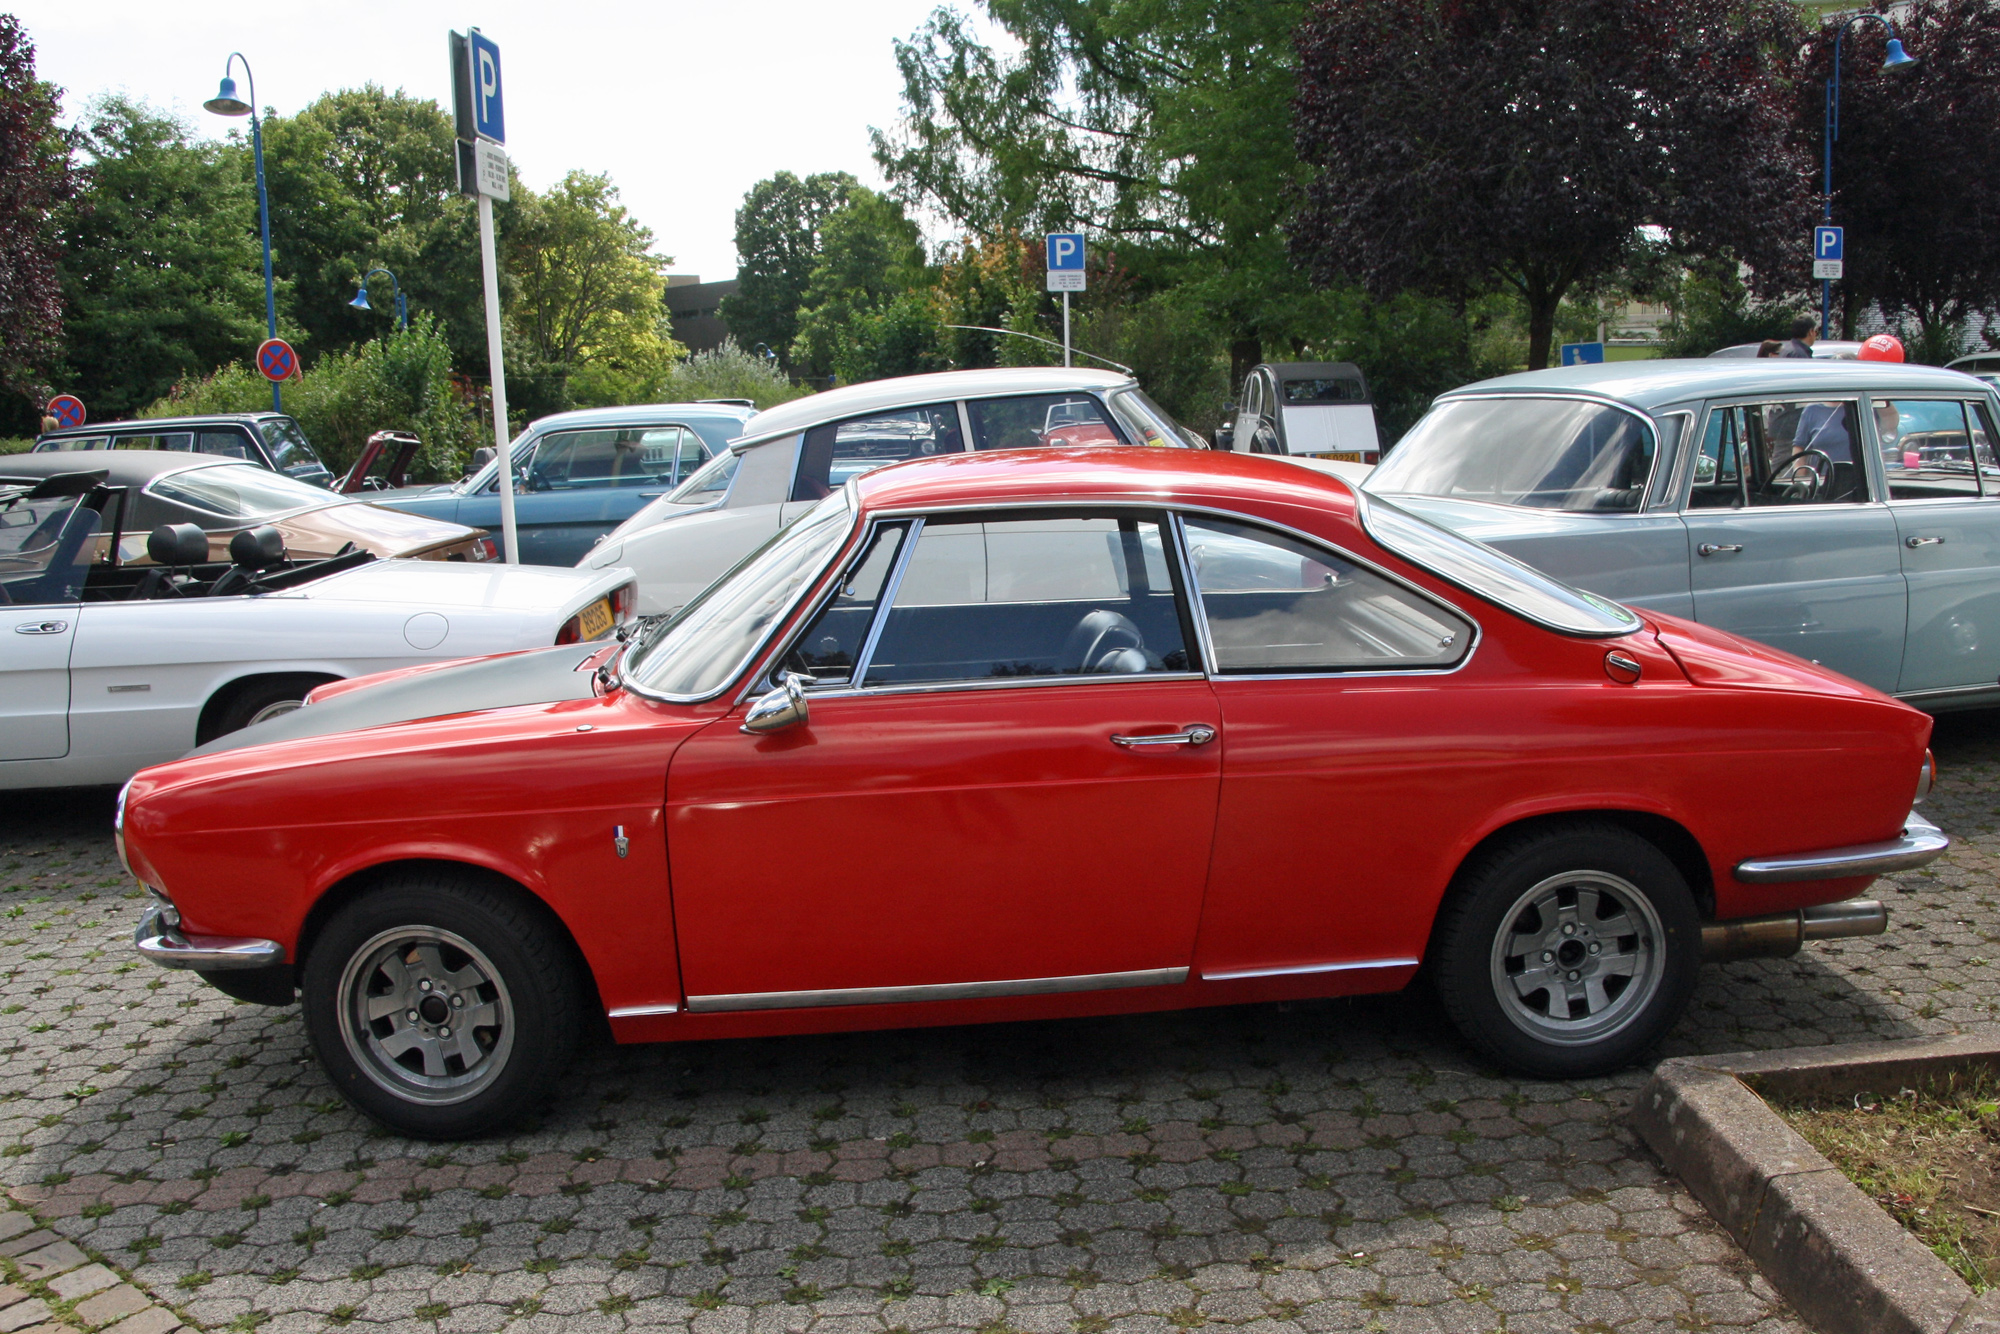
(1804, 334)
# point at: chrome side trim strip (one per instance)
(1921, 844)
(1304, 969)
(644, 1011)
(937, 991)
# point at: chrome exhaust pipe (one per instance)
(1779, 935)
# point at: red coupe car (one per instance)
(1024, 735)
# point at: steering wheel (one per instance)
(1801, 479)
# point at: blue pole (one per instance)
(1833, 133)
(263, 215)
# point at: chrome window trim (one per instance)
(1213, 666)
(1673, 497)
(1363, 504)
(1964, 401)
(890, 588)
(1204, 644)
(1877, 485)
(1303, 969)
(896, 581)
(778, 622)
(1572, 396)
(936, 991)
(1005, 683)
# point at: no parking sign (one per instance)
(276, 360)
(67, 409)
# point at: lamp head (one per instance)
(227, 103)
(1899, 59)
(360, 301)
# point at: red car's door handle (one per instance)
(1197, 734)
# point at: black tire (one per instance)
(1558, 888)
(445, 947)
(236, 706)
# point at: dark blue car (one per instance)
(578, 475)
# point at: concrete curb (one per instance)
(1844, 1265)
(57, 1289)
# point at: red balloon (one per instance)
(1881, 347)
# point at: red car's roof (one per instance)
(1102, 473)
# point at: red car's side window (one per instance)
(1276, 604)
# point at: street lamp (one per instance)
(360, 301)
(1898, 60)
(227, 103)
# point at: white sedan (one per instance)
(107, 667)
(790, 456)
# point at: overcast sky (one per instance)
(686, 103)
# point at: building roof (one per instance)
(1656, 384)
(912, 391)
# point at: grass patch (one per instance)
(1930, 1156)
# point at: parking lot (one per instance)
(1338, 1165)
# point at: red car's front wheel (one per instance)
(440, 1006)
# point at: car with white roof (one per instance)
(791, 456)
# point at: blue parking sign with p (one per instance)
(1828, 243)
(488, 112)
(1065, 251)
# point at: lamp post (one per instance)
(360, 301)
(1898, 60)
(227, 103)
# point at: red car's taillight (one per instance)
(624, 601)
(571, 632)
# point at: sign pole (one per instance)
(502, 456)
(1065, 328)
(481, 123)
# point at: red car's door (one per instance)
(971, 817)
(1331, 683)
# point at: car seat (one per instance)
(175, 548)
(253, 551)
(1104, 642)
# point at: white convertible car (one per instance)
(107, 666)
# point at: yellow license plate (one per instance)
(594, 621)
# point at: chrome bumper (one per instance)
(1921, 844)
(1779, 935)
(159, 938)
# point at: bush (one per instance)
(1715, 310)
(727, 372)
(401, 381)
(18, 446)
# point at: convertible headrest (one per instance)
(257, 548)
(176, 544)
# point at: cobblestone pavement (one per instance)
(1342, 1165)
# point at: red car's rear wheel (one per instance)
(440, 1006)
(1568, 951)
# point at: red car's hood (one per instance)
(1712, 657)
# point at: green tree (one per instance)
(778, 236)
(364, 178)
(399, 381)
(1160, 127)
(1461, 147)
(864, 314)
(161, 271)
(587, 307)
(36, 180)
(726, 372)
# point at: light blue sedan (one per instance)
(580, 474)
(1844, 511)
